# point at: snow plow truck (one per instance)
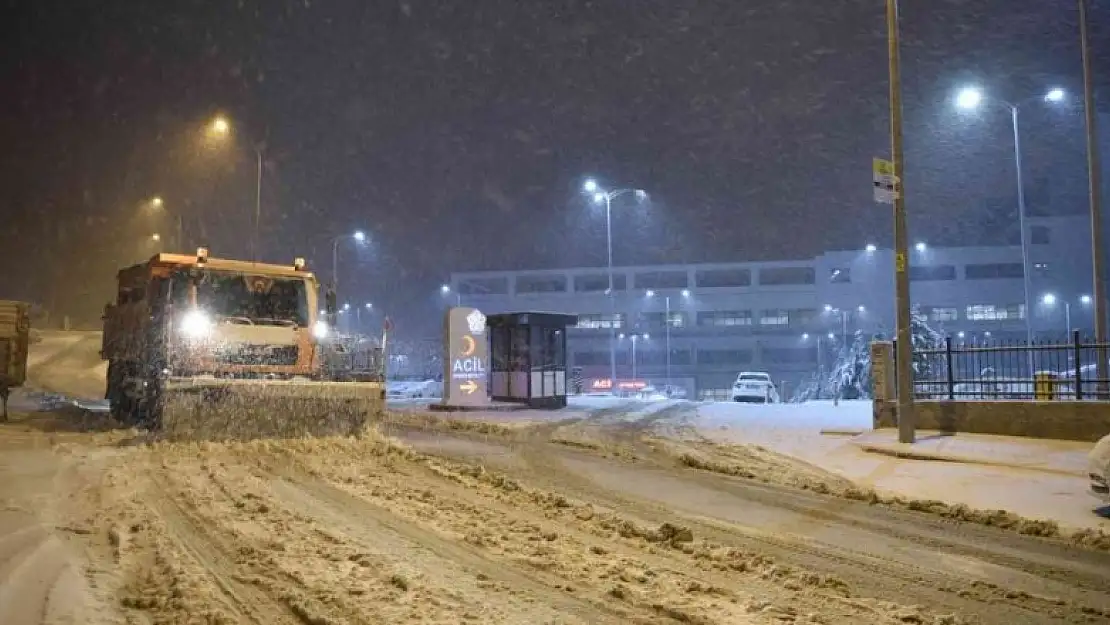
(202, 348)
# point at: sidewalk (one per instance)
(1032, 454)
(1035, 478)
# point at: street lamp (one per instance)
(445, 290)
(606, 196)
(970, 98)
(157, 204)
(635, 338)
(220, 128)
(920, 246)
(156, 237)
(1049, 299)
(870, 248)
(359, 236)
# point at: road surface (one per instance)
(585, 521)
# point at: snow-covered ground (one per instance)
(1031, 477)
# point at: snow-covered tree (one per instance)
(850, 376)
(922, 338)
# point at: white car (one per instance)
(1100, 469)
(754, 387)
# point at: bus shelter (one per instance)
(528, 358)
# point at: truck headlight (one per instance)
(320, 330)
(196, 324)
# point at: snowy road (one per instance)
(587, 520)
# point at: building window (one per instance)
(788, 355)
(725, 318)
(840, 276)
(782, 276)
(598, 283)
(1041, 269)
(722, 278)
(484, 286)
(599, 321)
(658, 357)
(802, 316)
(541, 284)
(993, 271)
(943, 313)
(1040, 235)
(990, 312)
(599, 358)
(774, 318)
(661, 280)
(723, 357)
(927, 273)
(657, 319)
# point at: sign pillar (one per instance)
(466, 358)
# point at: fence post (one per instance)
(1078, 367)
(948, 367)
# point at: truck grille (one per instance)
(258, 355)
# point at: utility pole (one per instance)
(257, 205)
(667, 346)
(1094, 190)
(904, 352)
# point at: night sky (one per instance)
(457, 134)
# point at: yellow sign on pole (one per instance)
(900, 262)
(884, 180)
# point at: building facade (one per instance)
(791, 318)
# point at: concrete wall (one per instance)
(1062, 420)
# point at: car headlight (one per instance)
(320, 329)
(196, 324)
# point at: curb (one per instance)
(908, 454)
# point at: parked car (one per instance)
(1100, 469)
(754, 387)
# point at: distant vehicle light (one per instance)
(320, 330)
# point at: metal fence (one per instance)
(1018, 370)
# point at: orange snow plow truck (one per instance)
(212, 349)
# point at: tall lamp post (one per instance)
(359, 236)
(1094, 191)
(667, 325)
(220, 128)
(157, 204)
(970, 99)
(600, 196)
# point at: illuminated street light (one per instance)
(443, 288)
(220, 127)
(155, 237)
(156, 202)
(347, 306)
(805, 336)
(649, 293)
(828, 308)
(606, 196)
(359, 236)
(369, 305)
(1084, 299)
(685, 292)
(870, 248)
(969, 98)
(861, 309)
(1054, 95)
(920, 246)
(831, 336)
(1049, 299)
(960, 334)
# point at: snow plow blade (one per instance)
(234, 409)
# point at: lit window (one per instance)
(600, 321)
(989, 312)
(943, 314)
(774, 318)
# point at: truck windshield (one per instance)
(259, 299)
